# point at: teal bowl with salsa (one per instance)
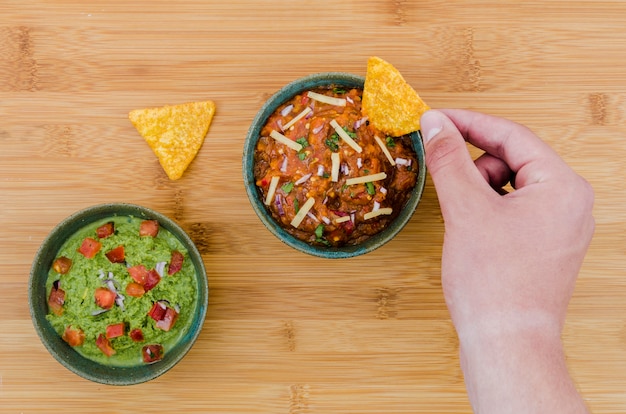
(118, 293)
(324, 229)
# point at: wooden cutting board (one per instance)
(285, 332)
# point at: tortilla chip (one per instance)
(175, 133)
(389, 102)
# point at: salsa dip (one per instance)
(326, 175)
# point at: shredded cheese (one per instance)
(366, 178)
(326, 99)
(270, 192)
(302, 212)
(334, 171)
(286, 141)
(297, 118)
(344, 135)
(380, 211)
(342, 219)
(383, 147)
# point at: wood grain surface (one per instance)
(285, 332)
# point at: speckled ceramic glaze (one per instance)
(283, 95)
(60, 349)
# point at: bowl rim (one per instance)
(269, 106)
(59, 349)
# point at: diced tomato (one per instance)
(90, 247)
(152, 279)
(176, 262)
(136, 335)
(105, 298)
(116, 255)
(56, 299)
(105, 230)
(139, 273)
(115, 330)
(105, 345)
(62, 265)
(158, 311)
(152, 353)
(135, 290)
(74, 337)
(168, 320)
(149, 228)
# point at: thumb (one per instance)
(456, 178)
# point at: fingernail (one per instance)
(431, 125)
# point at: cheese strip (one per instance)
(344, 135)
(286, 141)
(334, 172)
(366, 178)
(383, 147)
(302, 212)
(342, 219)
(271, 190)
(380, 211)
(326, 99)
(297, 118)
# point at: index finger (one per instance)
(513, 143)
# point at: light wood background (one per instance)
(285, 332)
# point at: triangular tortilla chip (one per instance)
(389, 102)
(175, 133)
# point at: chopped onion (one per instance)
(325, 200)
(402, 161)
(286, 110)
(360, 122)
(345, 170)
(101, 274)
(160, 268)
(303, 179)
(280, 124)
(110, 285)
(119, 300)
(353, 217)
(318, 129)
(283, 166)
(383, 190)
(312, 217)
(279, 204)
(320, 170)
(359, 162)
(99, 312)
(349, 99)
(376, 206)
(326, 220)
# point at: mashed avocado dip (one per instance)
(122, 291)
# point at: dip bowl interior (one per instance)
(269, 107)
(60, 350)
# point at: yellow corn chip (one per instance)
(389, 102)
(175, 133)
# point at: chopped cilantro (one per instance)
(302, 141)
(351, 134)
(370, 188)
(287, 187)
(390, 142)
(302, 155)
(332, 142)
(339, 90)
(296, 205)
(325, 175)
(319, 231)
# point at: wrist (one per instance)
(517, 363)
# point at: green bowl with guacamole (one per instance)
(118, 293)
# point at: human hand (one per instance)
(509, 262)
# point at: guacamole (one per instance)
(122, 291)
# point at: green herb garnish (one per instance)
(319, 235)
(370, 188)
(332, 142)
(287, 187)
(390, 142)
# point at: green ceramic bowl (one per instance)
(283, 95)
(59, 349)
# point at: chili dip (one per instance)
(326, 175)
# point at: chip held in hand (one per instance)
(175, 133)
(389, 102)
